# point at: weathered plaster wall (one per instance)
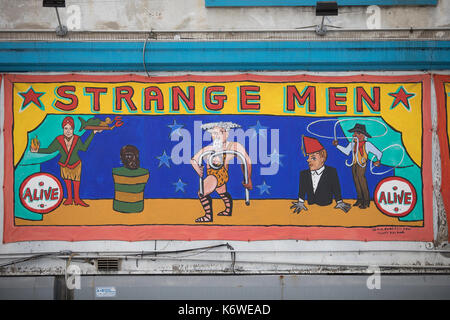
(193, 15)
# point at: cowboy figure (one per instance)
(360, 148)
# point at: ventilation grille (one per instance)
(107, 264)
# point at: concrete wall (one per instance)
(193, 15)
(208, 287)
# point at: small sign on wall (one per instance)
(105, 292)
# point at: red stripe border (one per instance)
(14, 233)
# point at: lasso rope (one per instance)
(335, 137)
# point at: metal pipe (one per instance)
(61, 30)
(134, 253)
(57, 15)
(213, 154)
(200, 160)
(299, 263)
(321, 30)
(241, 156)
(226, 30)
(231, 35)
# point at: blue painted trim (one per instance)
(230, 56)
(312, 3)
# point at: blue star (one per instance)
(164, 159)
(175, 128)
(264, 188)
(275, 157)
(257, 128)
(179, 185)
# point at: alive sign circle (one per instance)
(41, 192)
(395, 196)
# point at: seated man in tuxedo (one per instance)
(320, 184)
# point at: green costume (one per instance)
(129, 187)
(69, 158)
(70, 164)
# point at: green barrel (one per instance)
(129, 189)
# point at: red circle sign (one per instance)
(41, 193)
(395, 196)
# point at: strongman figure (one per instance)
(216, 179)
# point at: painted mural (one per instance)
(242, 157)
(442, 87)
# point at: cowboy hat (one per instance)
(360, 128)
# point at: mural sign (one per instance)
(241, 157)
(442, 86)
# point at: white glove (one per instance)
(343, 206)
(298, 207)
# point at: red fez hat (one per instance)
(311, 145)
(68, 120)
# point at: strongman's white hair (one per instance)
(224, 125)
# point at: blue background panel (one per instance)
(152, 136)
(172, 175)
